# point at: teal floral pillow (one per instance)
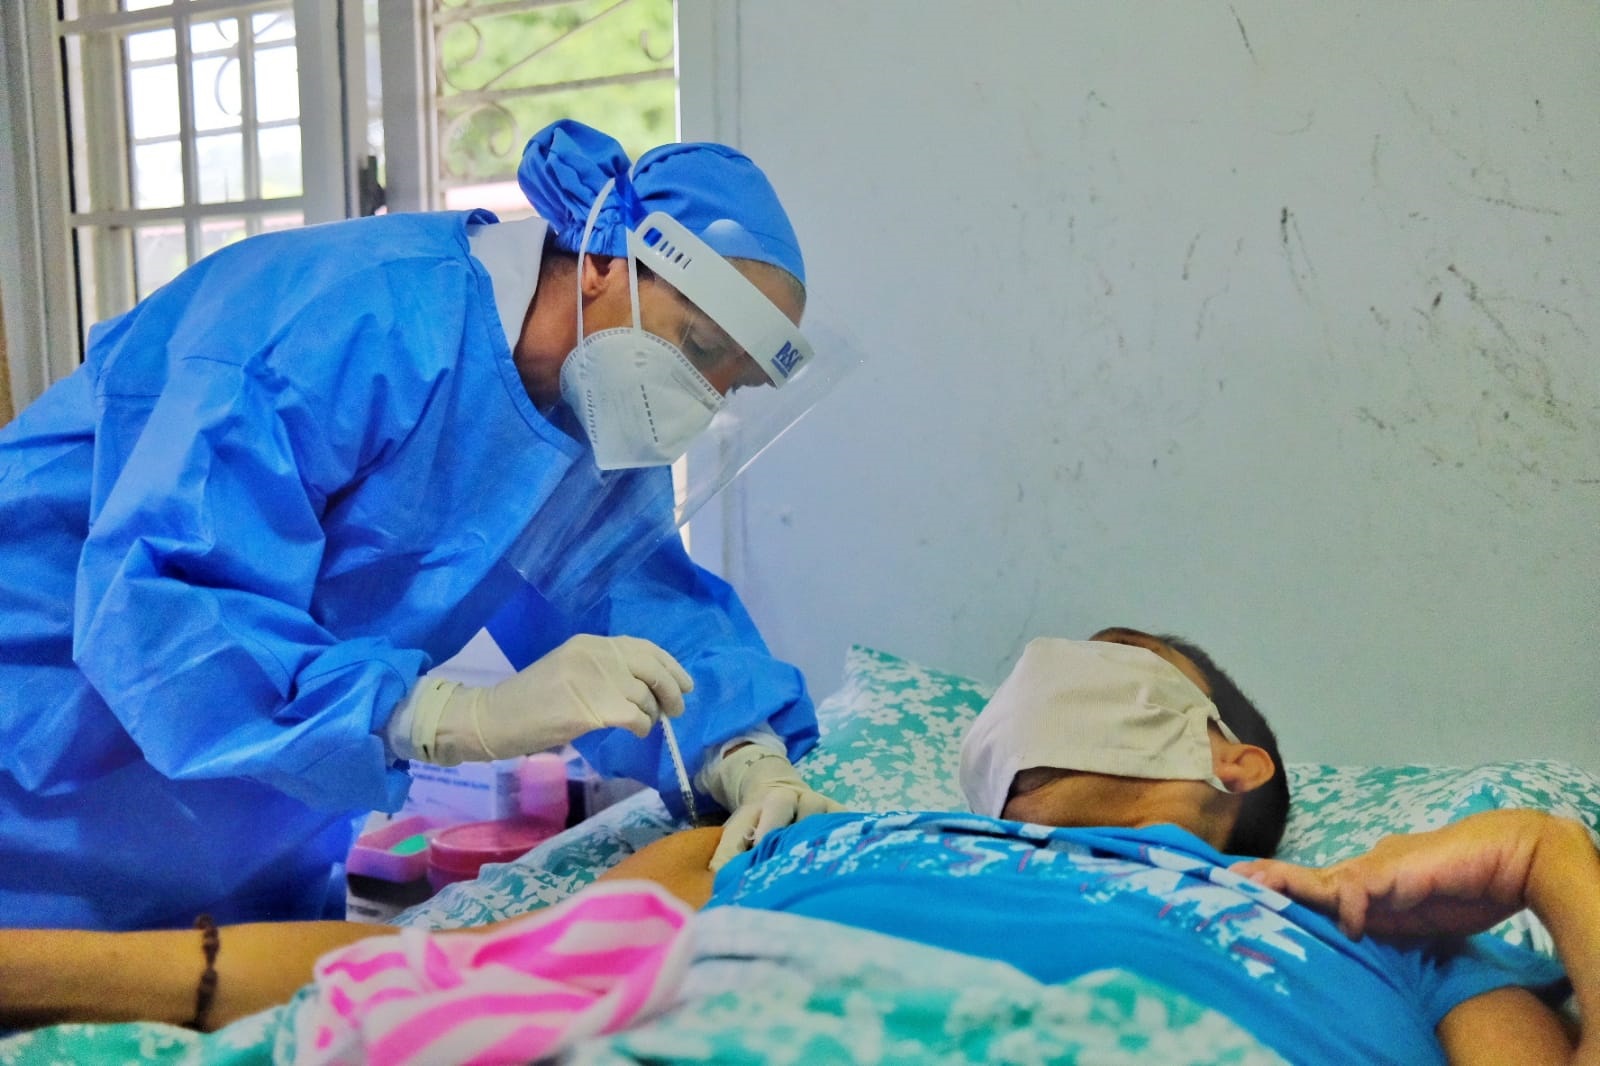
(1340, 811)
(891, 735)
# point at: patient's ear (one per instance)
(1242, 767)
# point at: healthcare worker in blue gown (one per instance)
(313, 465)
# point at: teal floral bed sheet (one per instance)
(784, 989)
(891, 740)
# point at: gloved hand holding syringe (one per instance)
(590, 683)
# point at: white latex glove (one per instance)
(588, 683)
(764, 792)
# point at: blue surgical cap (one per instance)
(713, 190)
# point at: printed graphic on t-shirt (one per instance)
(1237, 917)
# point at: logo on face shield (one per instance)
(786, 358)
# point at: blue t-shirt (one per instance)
(1059, 903)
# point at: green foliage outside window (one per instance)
(495, 67)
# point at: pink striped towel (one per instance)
(585, 966)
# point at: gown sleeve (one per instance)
(195, 612)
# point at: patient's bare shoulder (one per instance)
(678, 863)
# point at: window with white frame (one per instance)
(150, 133)
(160, 130)
(184, 136)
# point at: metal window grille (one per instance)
(502, 69)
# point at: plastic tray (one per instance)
(398, 852)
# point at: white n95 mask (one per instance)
(640, 400)
(1090, 706)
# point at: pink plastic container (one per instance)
(398, 852)
(542, 788)
(456, 854)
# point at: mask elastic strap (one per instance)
(633, 261)
(1230, 736)
(633, 289)
(583, 244)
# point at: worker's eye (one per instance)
(706, 350)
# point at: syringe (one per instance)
(684, 788)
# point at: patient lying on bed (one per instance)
(1068, 868)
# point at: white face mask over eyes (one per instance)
(1090, 706)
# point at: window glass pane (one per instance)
(280, 161)
(277, 85)
(153, 101)
(153, 44)
(140, 5)
(216, 93)
(273, 223)
(504, 198)
(105, 270)
(505, 58)
(274, 26)
(219, 232)
(79, 103)
(484, 142)
(86, 260)
(219, 36)
(221, 164)
(158, 254)
(158, 174)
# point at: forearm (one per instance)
(50, 976)
(1563, 889)
(53, 976)
(677, 863)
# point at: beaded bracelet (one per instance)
(206, 991)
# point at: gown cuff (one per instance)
(761, 735)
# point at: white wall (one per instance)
(1271, 324)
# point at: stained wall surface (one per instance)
(1272, 325)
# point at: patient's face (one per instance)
(1073, 798)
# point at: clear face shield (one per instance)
(712, 370)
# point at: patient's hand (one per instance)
(1457, 880)
(1462, 879)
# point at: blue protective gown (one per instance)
(277, 491)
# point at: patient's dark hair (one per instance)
(1265, 810)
